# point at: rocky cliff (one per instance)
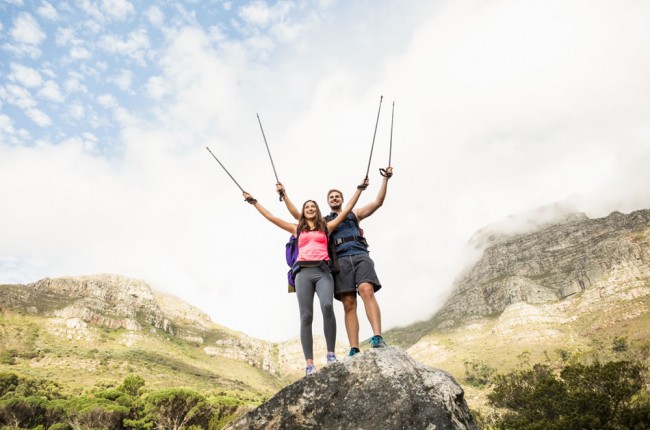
(551, 264)
(106, 300)
(76, 307)
(377, 389)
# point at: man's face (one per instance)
(335, 200)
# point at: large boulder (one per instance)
(381, 388)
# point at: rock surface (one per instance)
(377, 389)
(551, 264)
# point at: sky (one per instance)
(506, 112)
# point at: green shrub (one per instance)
(597, 396)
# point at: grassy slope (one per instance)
(106, 357)
(558, 333)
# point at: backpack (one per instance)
(359, 238)
(291, 254)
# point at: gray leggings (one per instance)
(310, 280)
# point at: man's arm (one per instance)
(290, 206)
(370, 208)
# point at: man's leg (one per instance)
(367, 293)
(349, 301)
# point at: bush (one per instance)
(8, 357)
(177, 408)
(478, 373)
(584, 397)
(23, 412)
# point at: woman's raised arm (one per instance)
(285, 225)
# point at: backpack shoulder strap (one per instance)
(354, 218)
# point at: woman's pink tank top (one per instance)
(312, 246)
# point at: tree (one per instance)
(131, 385)
(176, 408)
(85, 413)
(585, 397)
(25, 412)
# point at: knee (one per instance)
(306, 318)
(366, 290)
(328, 309)
(349, 303)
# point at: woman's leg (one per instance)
(305, 280)
(325, 291)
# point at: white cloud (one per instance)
(118, 9)
(51, 91)
(76, 110)
(15, 2)
(65, 36)
(19, 96)
(216, 33)
(80, 53)
(25, 75)
(108, 101)
(26, 36)
(256, 12)
(26, 30)
(39, 117)
(6, 124)
(134, 46)
(123, 80)
(47, 11)
(74, 83)
(93, 11)
(157, 88)
(155, 16)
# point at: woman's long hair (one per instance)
(319, 221)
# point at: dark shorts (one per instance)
(353, 271)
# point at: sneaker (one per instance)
(377, 342)
(331, 358)
(353, 351)
(310, 370)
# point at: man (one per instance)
(356, 273)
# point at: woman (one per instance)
(315, 274)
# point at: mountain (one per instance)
(568, 288)
(87, 330)
(578, 289)
(545, 266)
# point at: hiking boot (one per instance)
(331, 358)
(310, 370)
(377, 342)
(354, 351)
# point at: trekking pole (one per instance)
(233, 179)
(383, 171)
(373, 136)
(272, 165)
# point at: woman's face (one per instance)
(310, 210)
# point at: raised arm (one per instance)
(291, 228)
(290, 206)
(331, 226)
(370, 208)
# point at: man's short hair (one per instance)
(332, 191)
